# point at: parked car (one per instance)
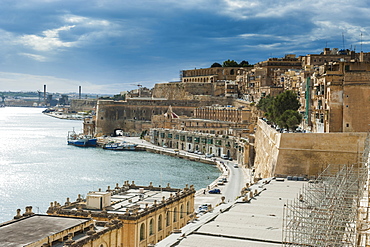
(224, 180)
(215, 191)
(230, 158)
(224, 156)
(210, 155)
(200, 153)
(204, 208)
(190, 151)
(220, 182)
(236, 166)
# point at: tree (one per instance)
(214, 65)
(265, 103)
(230, 63)
(244, 64)
(290, 119)
(282, 109)
(284, 101)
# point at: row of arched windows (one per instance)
(151, 229)
(198, 79)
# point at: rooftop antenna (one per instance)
(361, 41)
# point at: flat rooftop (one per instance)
(255, 223)
(137, 199)
(34, 228)
(130, 200)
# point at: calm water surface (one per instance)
(38, 167)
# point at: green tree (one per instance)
(230, 63)
(282, 109)
(290, 119)
(244, 64)
(284, 101)
(265, 103)
(214, 65)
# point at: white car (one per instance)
(224, 156)
(210, 155)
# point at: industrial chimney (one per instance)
(45, 94)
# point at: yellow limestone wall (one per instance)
(303, 154)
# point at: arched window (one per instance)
(175, 215)
(187, 208)
(168, 219)
(160, 222)
(151, 223)
(142, 232)
(181, 211)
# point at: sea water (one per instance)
(38, 167)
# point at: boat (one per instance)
(80, 140)
(120, 146)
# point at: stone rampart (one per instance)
(303, 154)
(112, 115)
(83, 104)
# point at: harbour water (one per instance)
(38, 167)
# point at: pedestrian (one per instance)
(204, 191)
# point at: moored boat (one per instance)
(80, 140)
(120, 146)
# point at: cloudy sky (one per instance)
(108, 46)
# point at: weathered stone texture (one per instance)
(187, 91)
(83, 104)
(303, 154)
(112, 115)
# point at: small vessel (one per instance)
(120, 146)
(80, 140)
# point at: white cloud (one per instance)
(49, 41)
(34, 57)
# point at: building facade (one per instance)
(148, 213)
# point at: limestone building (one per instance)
(260, 82)
(340, 95)
(134, 115)
(148, 213)
(35, 230)
(210, 74)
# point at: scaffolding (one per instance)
(332, 210)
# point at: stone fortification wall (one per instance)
(177, 90)
(187, 91)
(266, 144)
(112, 115)
(83, 104)
(303, 154)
